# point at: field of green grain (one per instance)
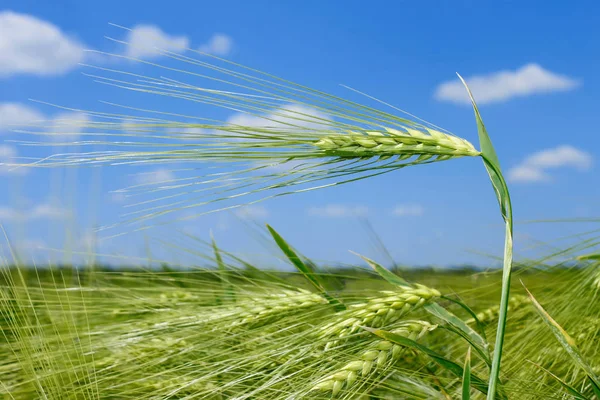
(230, 330)
(233, 330)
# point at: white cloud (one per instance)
(252, 212)
(408, 210)
(68, 125)
(338, 211)
(48, 211)
(29, 45)
(118, 197)
(40, 211)
(156, 177)
(283, 117)
(146, 41)
(8, 160)
(7, 152)
(535, 167)
(149, 41)
(219, 45)
(65, 124)
(14, 115)
(503, 85)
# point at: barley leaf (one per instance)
(305, 269)
(480, 327)
(492, 165)
(595, 387)
(466, 385)
(389, 276)
(490, 160)
(223, 273)
(458, 326)
(595, 256)
(449, 365)
(572, 391)
(566, 341)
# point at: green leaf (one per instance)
(449, 365)
(390, 277)
(305, 269)
(566, 341)
(595, 387)
(492, 165)
(223, 273)
(458, 326)
(572, 391)
(490, 160)
(480, 327)
(466, 385)
(595, 256)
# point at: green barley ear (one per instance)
(439, 359)
(492, 165)
(376, 358)
(454, 324)
(294, 139)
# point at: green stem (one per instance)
(506, 275)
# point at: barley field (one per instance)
(227, 327)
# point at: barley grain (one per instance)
(379, 356)
(377, 312)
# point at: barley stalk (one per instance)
(379, 356)
(376, 312)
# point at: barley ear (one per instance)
(376, 358)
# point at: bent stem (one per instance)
(492, 165)
(506, 276)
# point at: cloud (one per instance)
(117, 197)
(408, 210)
(65, 124)
(48, 211)
(283, 117)
(29, 45)
(219, 45)
(40, 211)
(147, 41)
(535, 167)
(14, 115)
(156, 177)
(8, 160)
(252, 212)
(150, 41)
(503, 85)
(68, 125)
(338, 211)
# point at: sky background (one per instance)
(531, 65)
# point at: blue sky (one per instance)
(532, 66)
